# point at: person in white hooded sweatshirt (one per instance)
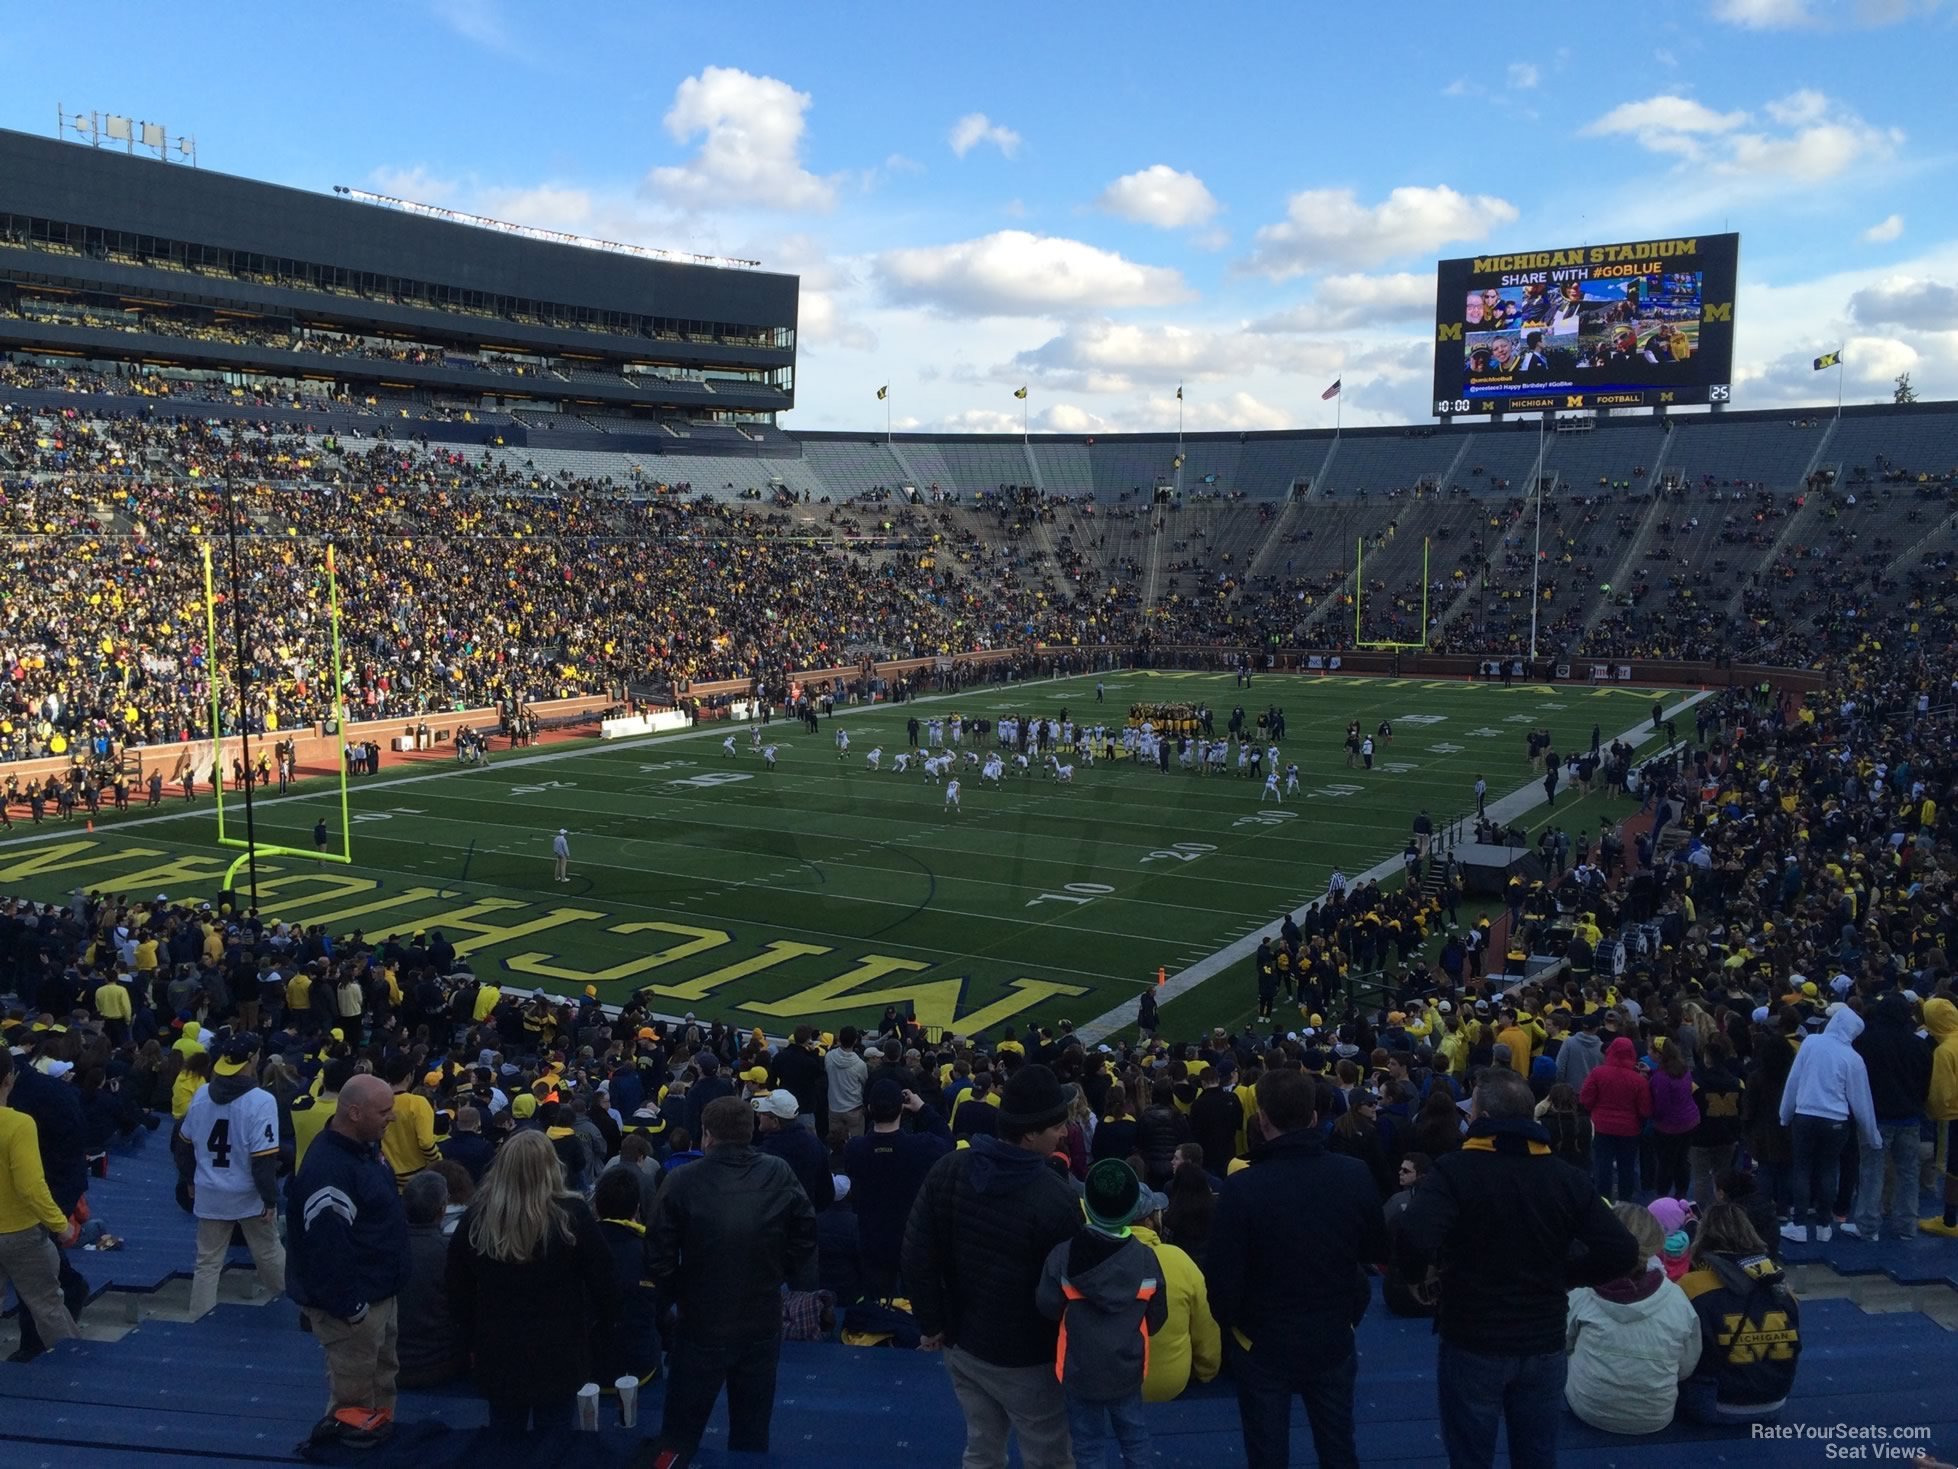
(1631, 1342)
(1827, 1092)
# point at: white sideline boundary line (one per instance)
(1524, 799)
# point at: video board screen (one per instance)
(1644, 324)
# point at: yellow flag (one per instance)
(1019, 392)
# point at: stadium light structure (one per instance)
(532, 232)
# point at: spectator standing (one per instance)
(29, 1220)
(1675, 1118)
(632, 1347)
(1828, 1090)
(846, 1075)
(1580, 1054)
(467, 1145)
(1941, 1020)
(1106, 1290)
(1619, 1099)
(777, 1135)
(430, 1345)
(728, 1233)
(1187, 1347)
(974, 1249)
(228, 1150)
(1285, 1272)
(886, 1168)
(799, 1068)
(1898, 1061)
(527, 1265)
(1719, 1097)
(348, 1261)
(409, 1145)
(61, 1135)
(1497, 1218)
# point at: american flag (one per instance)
(1332, 392)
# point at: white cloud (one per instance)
(478, 21)
(1926, 305)
(1666, 124)
(415, 184)
(1017, 273)
(1885, 230)
(1523, 76)
(1665, 57)
(1823, 138)
(1329, 227)
(1763, 15)
(1342, 301)
(751, 153)
(976, 128)
(1161, 196)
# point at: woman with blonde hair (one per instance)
(528, 1264)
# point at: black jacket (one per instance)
(471, 1149)
(508, 1312)
(1215, 1120)
(1500, 1217)
(800, 1069)
(1159, 1131)
(975, 1246)
(727, 1233)
(1286, 1263)
(631, 1348)
(62, 1132)
(1896, 1056)
(886, 1170)
(807, 1158)
(431, 1347)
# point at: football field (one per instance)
(823, 891)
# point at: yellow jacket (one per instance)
(187, 1085)
(1189, 1344)
(487, 998)
(24, 1197)
(1941, 1019)
(409, 1142)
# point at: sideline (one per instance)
(1518, 802)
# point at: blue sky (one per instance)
(1103, 202)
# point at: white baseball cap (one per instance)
(778, 1103)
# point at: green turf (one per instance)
(824, 892)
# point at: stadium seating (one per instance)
(875, 1407)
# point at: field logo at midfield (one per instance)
(866, 983)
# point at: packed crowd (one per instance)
(1749, 1040)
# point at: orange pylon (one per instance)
(1162, 976)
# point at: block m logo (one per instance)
(1448, 331)
(1719, 311)
(1574, 400)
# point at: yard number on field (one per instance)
(1074, 892)
(1180, 852)
(541, 787)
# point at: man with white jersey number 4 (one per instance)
(227, 1151)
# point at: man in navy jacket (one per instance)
(347, 1260)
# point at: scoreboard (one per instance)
(1648, 323)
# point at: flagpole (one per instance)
(1536, 558)
(1839, 352)
(887, 417)
(1179, 441)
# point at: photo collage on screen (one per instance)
(1625, 331)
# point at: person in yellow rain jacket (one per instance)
(1941, 1020)
(1188, 1346)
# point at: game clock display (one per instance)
(1643, 324)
